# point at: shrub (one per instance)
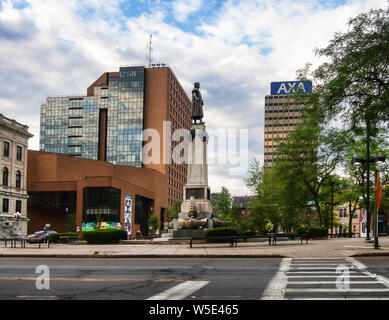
(104, 236)
(54, 237)
(313, 232)
(220, 232)
(153, 221)
(246, 233)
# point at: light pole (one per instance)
(368, 161)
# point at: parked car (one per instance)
(39, 235)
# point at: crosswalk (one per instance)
(326, 279)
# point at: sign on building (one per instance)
(290, 87)
(127, 213)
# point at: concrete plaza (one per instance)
(288, 249)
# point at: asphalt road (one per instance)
(136, 279)
(194, 279)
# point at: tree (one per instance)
(153, 222)
(255, 175)
(222, 204)
(355, 81)
(379, 145)
(310, 155)
(71, 223)
(174, 210)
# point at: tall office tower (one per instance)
(108, 122)
(282, 113)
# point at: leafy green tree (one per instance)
(153, 222)
(355, 80)
(310, 155)
(71, 222)
(357, 192)
(331, 195)
(173, 211)
(222, 204)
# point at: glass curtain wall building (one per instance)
(106, 124)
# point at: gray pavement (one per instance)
(287, 249)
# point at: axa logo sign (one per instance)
(290, 87)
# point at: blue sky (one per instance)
(233, 48)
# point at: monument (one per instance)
(196, 209)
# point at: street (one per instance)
(194, 278)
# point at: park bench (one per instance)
(227, 239)
(273, 237)
(13, 242)
(245, 238)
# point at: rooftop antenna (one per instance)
(150, 49)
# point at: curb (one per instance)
(107, 256)
(371, 254)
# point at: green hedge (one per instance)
(54, 237)
(313, 232)
(104, 236)
(247, 233)
(220, 232)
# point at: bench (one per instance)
(13, 242)
(245, 238)
(273, 237)
(227, 239)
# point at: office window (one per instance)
(19, 153)
(5, 205)
(5, 176)
(6, 149)
(18, 179)
(18, 207)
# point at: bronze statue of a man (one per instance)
(197, 103)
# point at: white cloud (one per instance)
(183, 8)
(53, 47)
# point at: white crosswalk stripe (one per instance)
(327, 278)
(180, 291)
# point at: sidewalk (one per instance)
(288, 249)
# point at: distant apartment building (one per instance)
(13, 188)
(282, 113)
(359, 221)
(108, 122)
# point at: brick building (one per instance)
(59, 185)
(108, 123)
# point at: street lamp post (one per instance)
(368, 161)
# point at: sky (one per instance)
(235, 49)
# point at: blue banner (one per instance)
(290, 87)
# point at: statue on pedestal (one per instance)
(196, 209)
(197, 104)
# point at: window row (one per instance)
(18, 178)
(7, 151)
(6, 205)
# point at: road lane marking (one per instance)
(179, 291)
(332, 282)
(316, 264)
(37, 297)
(275, 290)
(344, 298)
(334, 276)
(92, 279)
(303, 290)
